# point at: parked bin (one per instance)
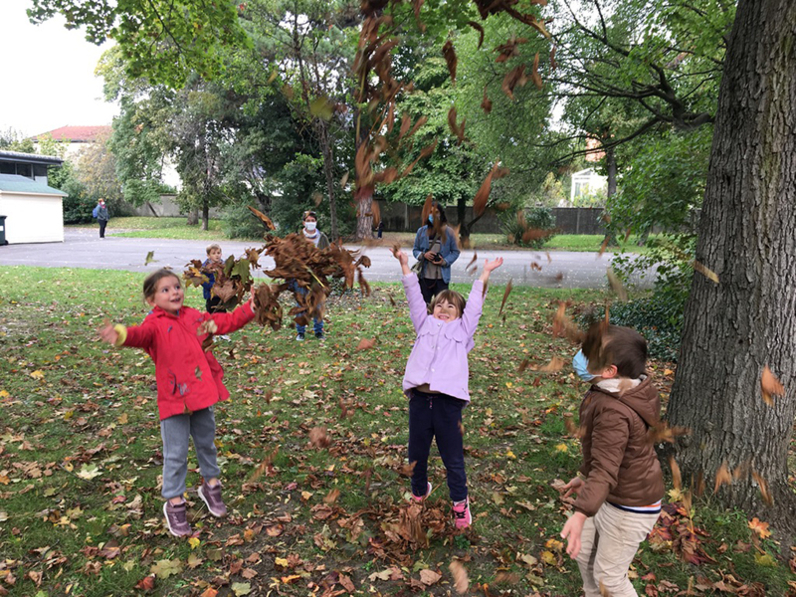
(3, 240)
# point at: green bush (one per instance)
(238, 221)
(536, 219)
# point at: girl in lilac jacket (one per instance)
(436, 382)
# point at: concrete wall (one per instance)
(32, 218)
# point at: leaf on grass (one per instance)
(459, 573)
(760, 528)
(723, 477)
(88, 472)
(165, 568)
(241, 588)
(145, 584)
(770, 386)
(366, 344)
(506, 294)
(450, 59)
(708, 273)
(429, 577)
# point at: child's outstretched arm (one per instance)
(475, 302)
(226, 323)
(417, 306)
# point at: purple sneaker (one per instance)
(461, 514)
(419, 499)
(177, 519)
(211, 496)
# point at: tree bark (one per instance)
(205, 213)
(747, 235)
(193, 217)
(610, 165)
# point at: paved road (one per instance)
(83, 248)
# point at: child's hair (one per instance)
(451, 296)
(616, 345)
(212, 247)
(309, 214)
(151, 281)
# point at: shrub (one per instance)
(538, 227)
(238, 222)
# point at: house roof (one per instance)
(75, 134)
(13, 183)
(29, 158)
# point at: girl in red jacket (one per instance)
(189, 382)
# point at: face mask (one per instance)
(430, 218)
(310, 226)
(580, 363)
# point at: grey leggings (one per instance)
(201, 425)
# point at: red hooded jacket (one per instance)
(188, 378)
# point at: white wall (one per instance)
(32, 218)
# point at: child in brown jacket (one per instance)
(621, 484)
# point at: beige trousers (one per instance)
(609, 542)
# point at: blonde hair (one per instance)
(213, 246)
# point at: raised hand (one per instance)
(488, 267)
(108, 333)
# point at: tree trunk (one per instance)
(747, 235)
(364, 213)
(205, 214)
(322, 128)
(193, 217)
(461, 214)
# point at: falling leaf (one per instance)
(555, 364)
(535, 76)
(760, 528)
(450, 59)
(482, 196)
(506, 294)
(770, 386)
(723, 477)
(708, 273)
(761, 483)
(150, 257)
(344, 180)
(616, 285)
(263, 218)
(677, 481)
(460, 580)
(603, 246)
(514, 77)
(480, 30)
(322, 107)
(486, 103)
(319, 437)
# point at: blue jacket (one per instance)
(208, 286)
(449, 251)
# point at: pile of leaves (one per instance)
(232, 278)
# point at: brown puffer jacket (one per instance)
(619, 463)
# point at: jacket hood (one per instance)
(643, 399)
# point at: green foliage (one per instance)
(536, 219)
(238, 222)
(79, 203)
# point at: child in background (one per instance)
(436, 382)
(619, 496)
(189, 382)
(213, 262)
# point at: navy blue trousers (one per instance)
(437, 416)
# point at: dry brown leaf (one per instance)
(761, 483)
(616, 285)
(535, 76)
(677, 480)
(663, 433)
(486, 103)
(263, 218)
(708, 273)
(319, 438)
(506, 294)
(555, 364)
(523, 365)
(332, 496)
(480, 30)
(473, 265)
(569, 425)
(460, 580)
(450, 59)
(603, 246)
(770, 386)
(366, 344)
(723, 477)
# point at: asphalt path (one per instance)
(82, 248)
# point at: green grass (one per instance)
(73, 407)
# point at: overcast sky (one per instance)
(47, 75)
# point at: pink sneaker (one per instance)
(177, 519)
(461, 514)
(211, 496)
(421, 498)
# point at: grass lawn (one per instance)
(80, 459)
(176, 228)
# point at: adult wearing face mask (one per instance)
(435, 249)
(320, 240)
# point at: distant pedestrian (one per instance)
(380, 228)
(101, 213)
